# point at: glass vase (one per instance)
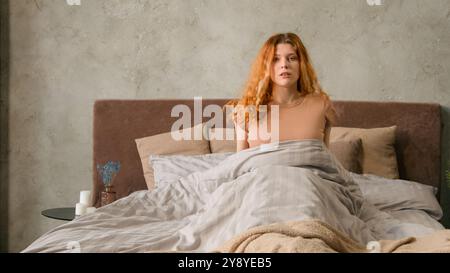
(108, 195)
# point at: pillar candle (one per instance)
(85, 198)
(80, 209)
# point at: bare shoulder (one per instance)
(319, 99)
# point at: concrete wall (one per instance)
(63, 58)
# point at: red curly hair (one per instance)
(258, 89)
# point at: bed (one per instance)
(119, 123)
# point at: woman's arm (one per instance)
(326, 137)
(330, 120)
(241, 135)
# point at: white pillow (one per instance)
(169, 168)
(397, 194)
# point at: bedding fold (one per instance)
(290, 181)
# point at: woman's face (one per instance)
(285, 67)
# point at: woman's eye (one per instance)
(276, 59)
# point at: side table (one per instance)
(66, 214)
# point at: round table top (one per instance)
(67, 214)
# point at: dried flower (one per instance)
(108, 171)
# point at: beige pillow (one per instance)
(349, 153)
(378, 148)
(164, 144)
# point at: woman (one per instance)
(282, 76)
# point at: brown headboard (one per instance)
(117, 123)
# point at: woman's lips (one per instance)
(285, 75)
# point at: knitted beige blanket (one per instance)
(314, 236)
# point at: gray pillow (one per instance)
(397, 194)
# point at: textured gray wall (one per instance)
(65, 57)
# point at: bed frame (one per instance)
(117, 123)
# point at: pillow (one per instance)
(164, 144)
(169, 168)
(395, 195)
(348, 153)
(378, 150)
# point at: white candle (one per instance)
(85, 198)
(80, 209)
(90, 209)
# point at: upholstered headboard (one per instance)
(117, 123)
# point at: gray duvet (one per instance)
(289, 181)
